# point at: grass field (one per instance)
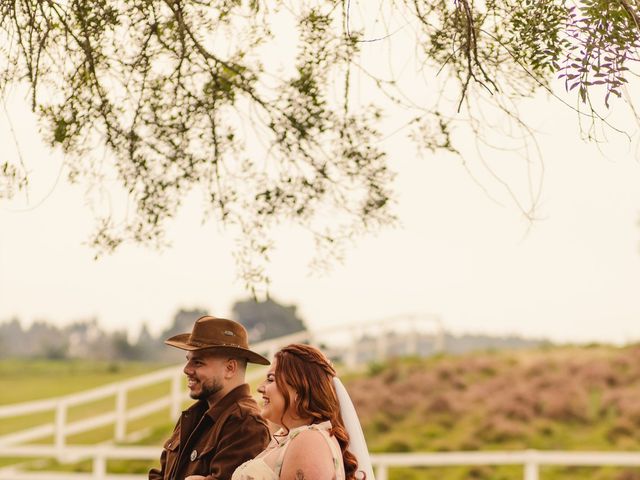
(570, 398)
(24, 380)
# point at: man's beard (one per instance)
(208, 389)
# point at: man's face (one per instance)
(205, 374)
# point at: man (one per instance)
(223, 428)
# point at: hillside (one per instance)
(549, 398)
(580, 398)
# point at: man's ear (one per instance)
(230, 367)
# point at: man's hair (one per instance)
(242, 363)
(214, 352)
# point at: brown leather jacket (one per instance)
(214, 441)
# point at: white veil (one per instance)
(357, 443)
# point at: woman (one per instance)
(299, 395)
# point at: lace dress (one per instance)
(267, 465)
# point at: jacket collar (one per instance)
(231, 398)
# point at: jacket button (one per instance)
(194, 455)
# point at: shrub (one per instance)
(397, 446)
(497, 429)
(621, 428)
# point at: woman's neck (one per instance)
(292, 423)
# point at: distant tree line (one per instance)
(86, 339)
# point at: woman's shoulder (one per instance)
(298, 464)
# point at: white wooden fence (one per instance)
(60, 428)
(531, 460)
(11, 444)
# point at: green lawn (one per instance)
(24, 380)
(27, 380)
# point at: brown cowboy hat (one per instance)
(225, 336)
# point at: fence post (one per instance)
(412, 340)
(273, 349)
(382, 346)
(531, 466)
(60, 424)
(381, 472)
(176, 396)
(121, 414)
(99, 466)
(439, 340)
(351, 353)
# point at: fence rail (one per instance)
(11, 444)
(61, 428)
(531, 460)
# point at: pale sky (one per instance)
(573, 275)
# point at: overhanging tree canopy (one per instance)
(186, 93)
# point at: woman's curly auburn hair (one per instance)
(310, 374)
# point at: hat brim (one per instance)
(181, 341)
